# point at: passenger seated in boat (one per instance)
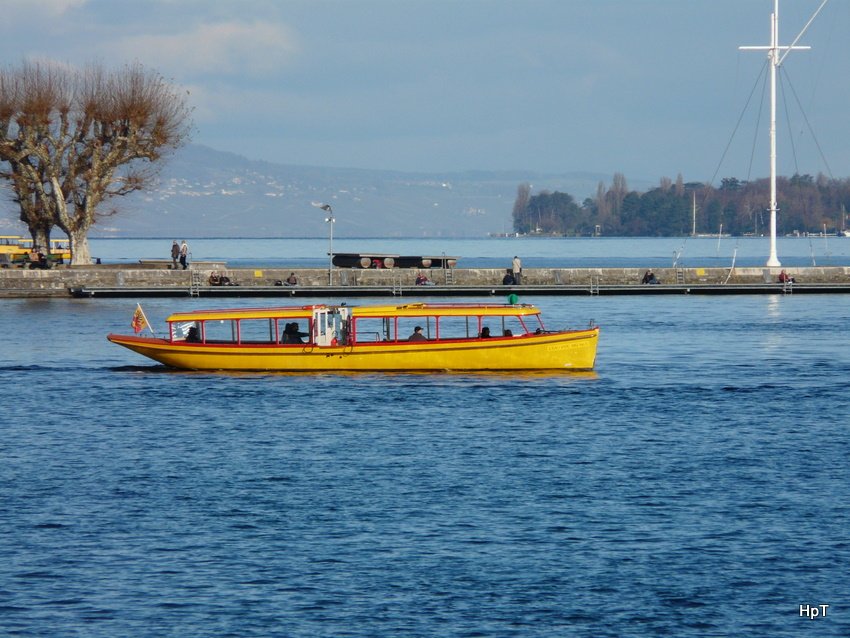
(417, 335)
(194, 335)
(485, 333)
(291, 334)
(508, 332)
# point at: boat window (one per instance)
(370, 330)
(406, 326)
(220, 330)
(458, 327)
(508, 326)
(294, 331)
(256, 331)
(180, 330)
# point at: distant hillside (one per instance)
(208, 193)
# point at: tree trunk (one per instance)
(40, 239)
(80, 255)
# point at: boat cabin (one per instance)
(325, 326)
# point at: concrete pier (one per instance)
(147, 281)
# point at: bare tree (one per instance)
(617, 193)
(523, 196)
(25, 107)
(603, 209)
(74, 139)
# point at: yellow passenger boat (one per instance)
(410, 337)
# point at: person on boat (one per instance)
(292, 280)
(184, 254)
(417, 335)
(194, 335)
(485, 333)
(649, 278)
(291, 333)
(508, 279)
(785, 278)
(175, 254)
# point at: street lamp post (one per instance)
(330, 220)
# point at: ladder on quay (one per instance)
(195, 287)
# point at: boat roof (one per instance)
(287, 312)
(405, 310)
(444, 310)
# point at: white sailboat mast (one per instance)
(775, 59)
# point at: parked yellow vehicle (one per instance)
(19, 251)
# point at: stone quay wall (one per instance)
(57, 282)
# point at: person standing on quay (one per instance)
(516, 268)
(175, 254)
(184, 254)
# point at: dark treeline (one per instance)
(806, 204)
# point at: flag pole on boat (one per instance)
(140, 321)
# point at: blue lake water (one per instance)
(694, 485)
(599, 252)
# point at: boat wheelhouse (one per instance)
(367, 338)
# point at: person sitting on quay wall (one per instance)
(38, 260)
(292, 280)
(785, 278)
(649, 278)
(508, 279)
(217, 279)
(422, 280)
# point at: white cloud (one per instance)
(227, 47)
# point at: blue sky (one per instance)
(648, 88)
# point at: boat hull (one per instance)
(570, 350)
